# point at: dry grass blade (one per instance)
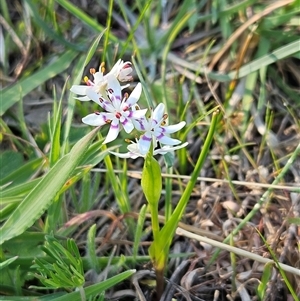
(235, 250)
(245, 26)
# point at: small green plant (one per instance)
(162, 238)
(122, 112)
(242, 55)
(66, 270)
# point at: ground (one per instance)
(239, 59)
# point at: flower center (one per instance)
(118, 115)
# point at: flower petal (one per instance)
(167, 140)
(141, 124)
(158, 112)
(166, 148)
(125, 72)
(113, 131)
(95, 119)
(137, 114)
(79, 89)
(115, 69)
(114, 85)
(127, 125)
(107, 106)
(93, 95)
(169, 129)
(125, 86)
(144, 143)
(98, 78)
(121, 70)
(83, 98)
(124, 155)
(133, 152)
(135, 95)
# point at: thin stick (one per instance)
(235, 250)
(137, 174)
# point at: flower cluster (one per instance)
(122, 112)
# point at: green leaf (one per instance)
(294, 220)
(55, 131)
(83, 61)
(262, 288)
(18, 190)
(139, 230)
(10, 161)
(47, 27)
(15, 92)
(7, 262)
(97, 288)
(91, 249)
(266, 60)
(159, 249)
(151, 180)
(23, 172)
(85, 18)
(39, 199)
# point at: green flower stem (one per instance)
(122, 201)
(154, 221)
(261, 201)
(82, 293)
(168, 196)
(159, 249)
(179, 210)
(152, 186)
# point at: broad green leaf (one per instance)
(22, 173)
(39, 199)
(18, 190)
(50, 297)
(152, 185)
(14, 93)
(25, 245)
(10, 161)
(151, 180)
(6, 211)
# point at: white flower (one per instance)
(118, 109)
(121, 71)
(155, 129)
(134, 151)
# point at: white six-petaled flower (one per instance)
(155, 129)
(120, 71)
(134, 151)
(123, 112)
(118, 110)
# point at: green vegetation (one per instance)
(215, 220)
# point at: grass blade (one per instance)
(45, 191)
(14, 93)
